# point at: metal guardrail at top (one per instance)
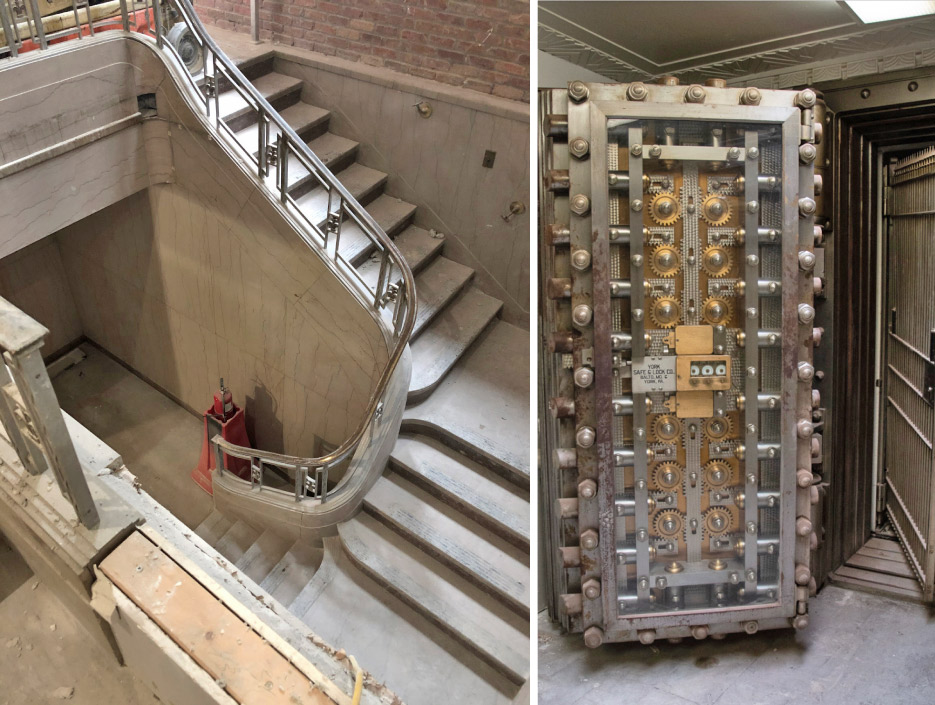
(178, 32)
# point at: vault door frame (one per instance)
(850, 457)
(590, 121)
(917, 539)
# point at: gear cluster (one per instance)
(716, 209)
(717, 311)
(665, 261)
(664, 208)
(718, 474)
(665, 312)
(667, 476)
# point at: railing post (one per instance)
(125, 16)
(218, 458)
(22, 337)
(255, 21)
(37, 22)
(7, 29)
(322, 489)
(283, 166)
(300, 475)
(157, 22)
(29, 453)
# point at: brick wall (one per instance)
(482, 45)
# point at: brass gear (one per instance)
(718, 473)
(669, 523)
(717, 311)
(716, 209)
(665, 312)
(716, 260)
(666, 428)
(664, 208)
(665, 261)
(718, 427)
(718, 521)
(667, 476)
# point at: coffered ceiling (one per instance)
(778, 43)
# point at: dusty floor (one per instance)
(859, 649)
(46, 655)
(159, 441)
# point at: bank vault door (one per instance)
(910, 360)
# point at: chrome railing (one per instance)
(178, 32)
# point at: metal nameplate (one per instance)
(654, 374)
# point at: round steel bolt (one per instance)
(580, 204)
(804, 477)
(637, 91)
(753, 153)
(818, 183)
(751, 96)
(806, 260)
(584, 377)
(636, 150)
(647, 636)
(752, 312)
(753, 260)
(751, 627)
(587, 489)
(643, 583)
(816, 395)
(593, 637)
(806, 313)
(751, 372)
(695, 94)
(580, 260)
(637, 314)
(807, 153)
(803, 527)
(655, 151)
(588, 539)
(700, 631)
(806, 371)
(816, 447)
(636, 205)
(642, 534)
(807, 207)
(577, 91)
(585, 437)
(579, 147)
(750, 574)
(818, 286)
(591, 589)
(804, 429)
(819, 234)
(751, 529)
(637, 260)
(752, 206)
(806, 98)
(800, 621)
(581, 315)
(733, 153)
(802, 575)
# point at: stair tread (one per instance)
(263, 555)
(447, 337)
(416, 246)
(236, 540)
(299, 116)
(391, 214)
(436, 285)
(464, 484)
(451, 538)
(330, 147)
(213, 527)
(293, 571)
(358, 179)
(269, 85)
(440, 595)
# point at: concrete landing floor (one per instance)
(46, 655)
(159, 441)
(859, 649)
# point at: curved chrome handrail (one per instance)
(271, 161)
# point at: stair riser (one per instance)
(246, 116)
(310, 131)
(513, 676)
(443, 558)
(251, 69)
(309, 182)
(485, 520)
(441, 307)
(462, 446)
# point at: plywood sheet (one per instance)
(251, 670)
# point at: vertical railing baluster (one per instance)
(157, 23)
(300, 475)
(8, 36)
(381, 280)
(218, 458)
(262, 137)
(124, 15)
(37, 23)
(283, 167)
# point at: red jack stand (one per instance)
(227, 419)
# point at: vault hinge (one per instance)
(889, 198)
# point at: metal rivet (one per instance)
(807, 206)
(806, 313)
(805, 371)
(582, 314)
(751, 96)
(655, 150)
(584, 377)
(637, 91)
(637, 314)
(733, 153)
(804, 429)
(580, 259)
(637, 260)
(752, 312)
(753, 260)
(579, 147)
(806, 98)
(753, 153)
(636, 150)
(751, 527)
(752, 206)
(751, 372)
(636, 205)
(585, 437)
(695, 94)
(577, 91)
(580, 204)
(806, 260)
(807, 153)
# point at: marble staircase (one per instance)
(428, 586)
(451, 311)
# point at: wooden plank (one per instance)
(251, 670)
(884, 545)
(883, 555)
(899, 568)
(879, 579)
